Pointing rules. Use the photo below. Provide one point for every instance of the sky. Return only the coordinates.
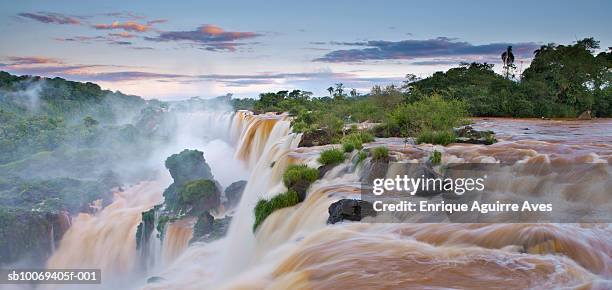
(180, 49)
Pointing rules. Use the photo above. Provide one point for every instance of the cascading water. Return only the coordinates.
(106, 240)
(294, 248)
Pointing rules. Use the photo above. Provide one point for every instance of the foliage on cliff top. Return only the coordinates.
(331, 157)
(264, 208)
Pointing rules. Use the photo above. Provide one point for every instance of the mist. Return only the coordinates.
(85, 144)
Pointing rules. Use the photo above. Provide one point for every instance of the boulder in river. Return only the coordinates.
(349, 209)
(467, 134)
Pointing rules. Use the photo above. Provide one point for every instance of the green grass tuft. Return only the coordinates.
(348, 147)
(436, 157)
(264, 208)
(361, 156)
(298, 173)
(436, 137)
(380, 153)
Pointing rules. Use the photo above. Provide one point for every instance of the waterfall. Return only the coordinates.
(295, 248)
(176, 239)
(270, 157)
(106, 240)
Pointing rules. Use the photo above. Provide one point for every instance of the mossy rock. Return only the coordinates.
(188, 165)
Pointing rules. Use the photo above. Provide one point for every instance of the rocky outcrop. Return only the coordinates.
(30, 236)
(193, 194)
(194, 188)
(208, 230)
(374, 169)
(586, 115)
(467, 134)
(204, 225)
(323, 169)
(317, 137)
(349, 209)
(188, 165)
(233, 193)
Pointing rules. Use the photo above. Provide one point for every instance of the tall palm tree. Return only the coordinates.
(331, 91)
(508, 59)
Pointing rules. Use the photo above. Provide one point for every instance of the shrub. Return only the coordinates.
(348, 147)
(356, 140)
(200, 195)
(436, 137)
(436, 157)
(264, 208)
(429, 114)
(198, 189)
(380, 153)
(331, 157)
(299, 173)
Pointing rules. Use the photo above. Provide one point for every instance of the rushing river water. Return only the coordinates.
(295, 249)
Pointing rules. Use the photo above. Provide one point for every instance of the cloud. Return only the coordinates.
(111, 38)
(54, 18)
(16, 60)
(210, 37)
(127, 26)
(124, 15)
(50, 67)
(123, 34)
(415, 49)
(438, 62)
(82, 39)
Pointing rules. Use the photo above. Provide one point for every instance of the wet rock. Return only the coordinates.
(204, 225)
(233, 193)
(145, 227)
(155, 279)
(218, 230)
(467, 134)
(586, 115)
(374, 169)
(324, 169)
(301, 187)
(349, 209)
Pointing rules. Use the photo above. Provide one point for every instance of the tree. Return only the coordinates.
(339, 91)
(353, 93)
(508, 60)
(331, 91)
(407, 83)
(543, 49)
(566, 80)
